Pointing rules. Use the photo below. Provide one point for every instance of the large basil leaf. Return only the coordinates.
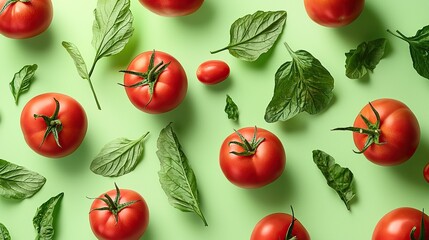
(17, 182)
(44, 218)
(365, 57)
(231, 109)
(302, 85)
(4, 233)
(419, 49)
(255, 34)
(22, 80)
(118, 157)
(176, 176)
(337, 177)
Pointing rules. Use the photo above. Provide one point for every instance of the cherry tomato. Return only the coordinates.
(398, 224)
(119, 214)
(275, 226)
(172, 8)
(54, 125)
(426, 172)
(155, 82)
(334, 13)
(252, 157)
(213, 72)
(390, 139)
(25, 19)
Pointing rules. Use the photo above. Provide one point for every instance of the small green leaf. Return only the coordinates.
(337, 177)
(255, 34)
(17, 182)
(176, 175)
(44, 218)
(4, 233)
(118, 157)
(77, 58)
(231, 109)
(302, 85)
(22, 80)
(365, 57)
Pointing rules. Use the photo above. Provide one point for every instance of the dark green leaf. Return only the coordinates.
(112, 27)
(4, 233)
(43, 220)
(22, 80)
(253, 35)
(77, 58)
(337, 177)
(176, 176)
(302, 85)
(419, 50)
(118, 157)
(16, 182)
(365, 57)
(231, 108)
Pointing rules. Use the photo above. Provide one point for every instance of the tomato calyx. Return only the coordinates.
(290, 228)
(54, 125)
(422, 234)
(113, 206)
(373, 130)
(150, 77)
(9, 2)
(249, 148)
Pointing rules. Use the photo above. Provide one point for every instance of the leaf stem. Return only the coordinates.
(220, 50)
(90, 83)
(399, 35)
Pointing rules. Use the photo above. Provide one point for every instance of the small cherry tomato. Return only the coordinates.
(426, 172)
(334, 13)
(213, 72)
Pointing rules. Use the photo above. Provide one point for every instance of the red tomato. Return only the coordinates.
(213, 72)
(398, 224)
(25, 19)
(395, 137)
(334, 13)
(40, 122)
(275, 227)
(252, 157)
(172, 8)
(155, 82)
(426, 172)
(126, 217)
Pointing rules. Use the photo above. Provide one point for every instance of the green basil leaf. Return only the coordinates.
(112, 27)
(419, 49)
(17, 182)
(365, 57)
(118, 157)
(77, 58)
(176, 176)
(44, 218)
(4, 233)
(22, 80)
(253, 35)
(302, 85)
(337, 177)
(231, 109)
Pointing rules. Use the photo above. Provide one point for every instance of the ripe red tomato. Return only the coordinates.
(25, 19)
(275, 227)
(213, 72)
(119, 214)
(252, 157)
(392, 139)
(334, 13)
(172, 8)
(155, 82)
(54, 125)
(426, 172)
(398, 224)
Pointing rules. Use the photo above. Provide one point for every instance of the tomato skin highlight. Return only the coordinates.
(275, 226)
(400, 132)
(212, 72)
(169, 90)
(334, 13)
(73, 119)
(257, 170)
(25, 19)
(397, 224)
(132, 220)
(172, 8)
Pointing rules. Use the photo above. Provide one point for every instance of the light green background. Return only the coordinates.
(201, 124)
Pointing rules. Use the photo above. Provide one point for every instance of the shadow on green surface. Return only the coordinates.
(199, 18)
(37, 44)
(77, 162)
